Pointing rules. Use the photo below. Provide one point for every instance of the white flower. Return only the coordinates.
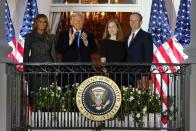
(66, 86)
(139, 92)
(57, 95)
(125, 88)
(150, 99)
(75, 84)
(138, 115)
(131, 98)
(144, 109)
(59, 88)
(52, 93)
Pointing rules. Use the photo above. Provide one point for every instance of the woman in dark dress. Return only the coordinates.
(113, 48)
(39, 47)
(39, 44)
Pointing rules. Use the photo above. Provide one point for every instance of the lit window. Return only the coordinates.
(99, 1)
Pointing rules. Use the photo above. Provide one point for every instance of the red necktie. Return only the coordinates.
(133, 35)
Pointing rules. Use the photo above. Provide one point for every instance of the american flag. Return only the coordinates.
(166, 49)
(10, 33)
(18, 48)
(30, 13)
(182, 31)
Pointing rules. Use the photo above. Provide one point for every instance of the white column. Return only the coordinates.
(145, 9)
(4, 49)
(44, 6)
(191, 51)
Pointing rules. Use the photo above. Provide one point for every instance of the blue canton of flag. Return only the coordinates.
(159, 26)
(10, 33)
(182, 31)
(31, 12)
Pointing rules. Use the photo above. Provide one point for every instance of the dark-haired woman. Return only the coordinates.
(112, 47)
(39, 47)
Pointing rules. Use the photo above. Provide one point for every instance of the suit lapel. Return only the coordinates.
(137, 37)
(127, 40)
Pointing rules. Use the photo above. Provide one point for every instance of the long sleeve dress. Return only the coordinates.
(38, 49)
(114, 51)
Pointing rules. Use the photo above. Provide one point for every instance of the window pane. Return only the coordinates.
(65, 1)
(123, 1)
(72, 1)
(97, 1)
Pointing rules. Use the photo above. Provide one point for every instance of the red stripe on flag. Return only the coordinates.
(166, 57)
(155, 60)
(12, 57)
(175, 51)
(19, 47)
(165, 79)
(160, 89)
(164, 54)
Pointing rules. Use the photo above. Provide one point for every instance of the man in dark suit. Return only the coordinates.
(139, 45)
(139, 42)
(76, 44)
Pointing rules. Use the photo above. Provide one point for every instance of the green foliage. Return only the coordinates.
(138, 102)
(54, 98)
(135, 102)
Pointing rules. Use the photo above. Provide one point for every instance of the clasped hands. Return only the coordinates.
(72, 36)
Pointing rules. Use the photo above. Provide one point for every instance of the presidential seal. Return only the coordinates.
(98, 98)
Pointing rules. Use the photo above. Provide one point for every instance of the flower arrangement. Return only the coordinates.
(135, 102)
(138, 102)
(54, 98)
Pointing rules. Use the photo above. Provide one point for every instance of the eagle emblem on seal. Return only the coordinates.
(99, 98)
